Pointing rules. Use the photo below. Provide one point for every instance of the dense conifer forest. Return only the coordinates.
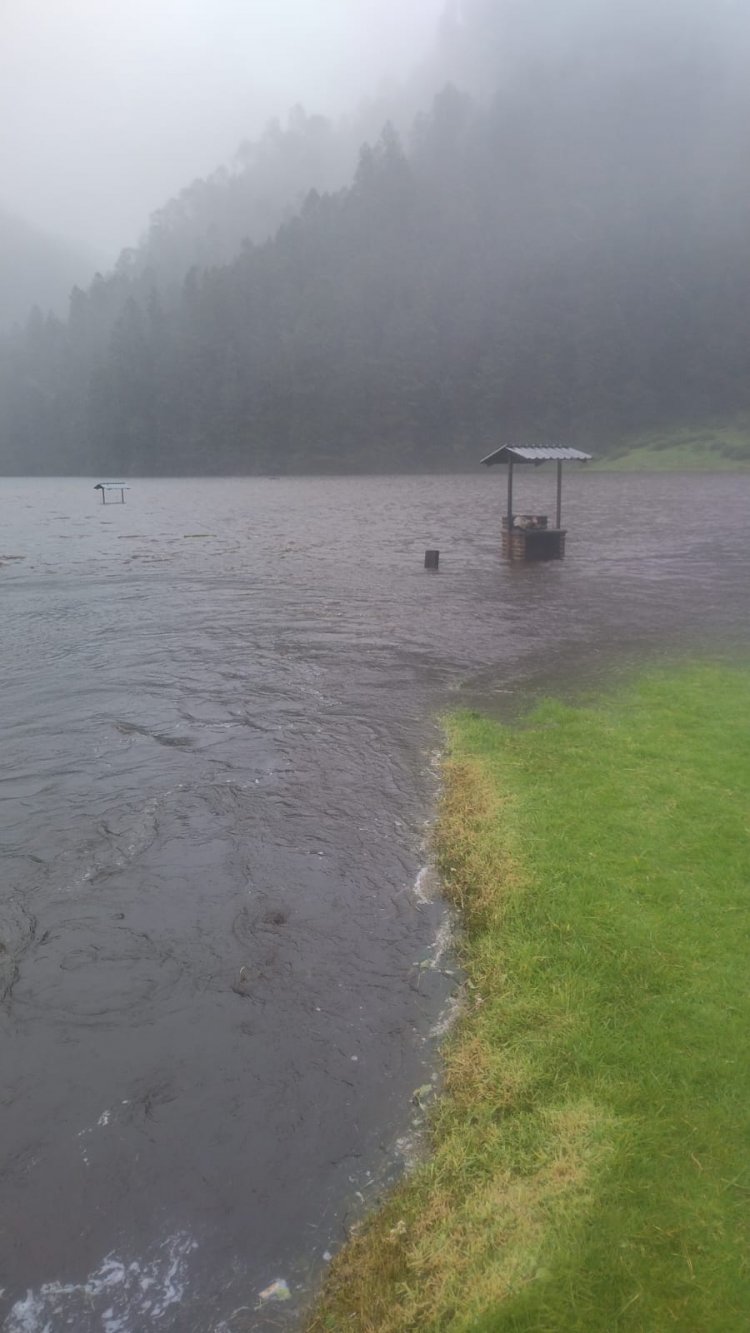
(557, 245)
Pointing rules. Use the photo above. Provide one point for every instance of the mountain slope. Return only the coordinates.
(565, 255)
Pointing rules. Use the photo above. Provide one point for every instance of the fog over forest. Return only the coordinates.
(542, 229)
(114, 108)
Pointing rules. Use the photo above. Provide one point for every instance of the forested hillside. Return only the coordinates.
(558, 246)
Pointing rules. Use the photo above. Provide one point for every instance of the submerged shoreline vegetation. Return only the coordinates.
(589, 1166)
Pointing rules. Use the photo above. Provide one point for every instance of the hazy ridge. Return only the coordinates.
(556, 246)
(35, 269)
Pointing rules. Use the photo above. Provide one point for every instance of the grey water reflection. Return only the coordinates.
(218, 726)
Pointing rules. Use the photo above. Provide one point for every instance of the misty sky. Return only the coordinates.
(108, 107)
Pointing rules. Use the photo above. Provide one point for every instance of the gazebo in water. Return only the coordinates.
(529, 536)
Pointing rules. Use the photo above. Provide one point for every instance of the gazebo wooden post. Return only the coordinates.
(558, 524)
(510, 502)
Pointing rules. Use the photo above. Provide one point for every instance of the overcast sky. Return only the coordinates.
(108, 107)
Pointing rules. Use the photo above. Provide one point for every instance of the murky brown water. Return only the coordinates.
(217, 726)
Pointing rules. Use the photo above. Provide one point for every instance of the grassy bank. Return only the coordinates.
(720, 448)
(590, 1166)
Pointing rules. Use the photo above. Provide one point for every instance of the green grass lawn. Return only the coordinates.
(720, 448)
(590, 1156)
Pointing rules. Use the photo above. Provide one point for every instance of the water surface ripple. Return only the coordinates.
(217, 731)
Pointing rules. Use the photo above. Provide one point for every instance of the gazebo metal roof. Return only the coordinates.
(522, 453)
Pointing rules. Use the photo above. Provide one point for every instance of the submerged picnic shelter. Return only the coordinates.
(529, 536)
(110, 491)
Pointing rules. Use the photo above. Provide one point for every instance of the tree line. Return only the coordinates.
(561, 256)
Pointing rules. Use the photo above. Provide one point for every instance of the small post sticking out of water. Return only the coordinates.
(431, 559)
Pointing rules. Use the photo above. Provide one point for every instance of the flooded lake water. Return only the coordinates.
(219, 973)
